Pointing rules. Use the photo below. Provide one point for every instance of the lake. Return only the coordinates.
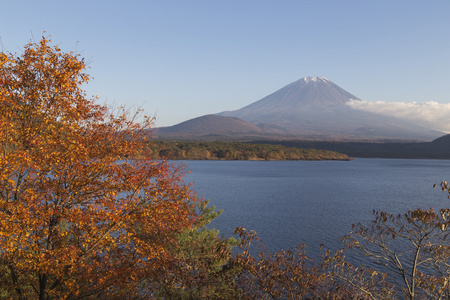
(314, 202)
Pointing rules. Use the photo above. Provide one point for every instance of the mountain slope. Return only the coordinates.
(304, 93)
(209, 126)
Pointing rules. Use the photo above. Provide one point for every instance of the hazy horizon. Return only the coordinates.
(182, 59)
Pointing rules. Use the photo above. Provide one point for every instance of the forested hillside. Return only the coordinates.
(234, 151)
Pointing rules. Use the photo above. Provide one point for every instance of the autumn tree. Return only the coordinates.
(412, 247)
(78, 219)
(357, 282)
(290, 274)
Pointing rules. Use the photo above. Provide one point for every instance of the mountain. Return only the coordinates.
(301, 95)
(442, 143)
(312, 108)
(210, 127)
(316, 108)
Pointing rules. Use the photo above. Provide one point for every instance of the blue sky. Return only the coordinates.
(182, 59)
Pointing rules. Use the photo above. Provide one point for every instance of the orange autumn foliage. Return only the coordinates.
(77, 219)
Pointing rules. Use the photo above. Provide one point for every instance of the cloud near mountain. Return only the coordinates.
(430, 114)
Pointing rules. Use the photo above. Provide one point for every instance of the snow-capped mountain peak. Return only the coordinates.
(315, 79)
(316, 106)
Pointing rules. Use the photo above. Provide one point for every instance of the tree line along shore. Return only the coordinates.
(185, 150)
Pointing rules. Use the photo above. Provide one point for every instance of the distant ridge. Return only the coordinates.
(437, 149)
(210, 126)
(442, 143)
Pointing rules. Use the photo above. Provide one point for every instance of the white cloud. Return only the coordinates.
(431, 114)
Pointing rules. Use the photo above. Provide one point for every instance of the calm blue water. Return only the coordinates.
(314, 202)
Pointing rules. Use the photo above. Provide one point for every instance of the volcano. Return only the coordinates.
(315, 107)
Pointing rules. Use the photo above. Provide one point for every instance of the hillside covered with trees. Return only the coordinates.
(436, 149)
(234, 151)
